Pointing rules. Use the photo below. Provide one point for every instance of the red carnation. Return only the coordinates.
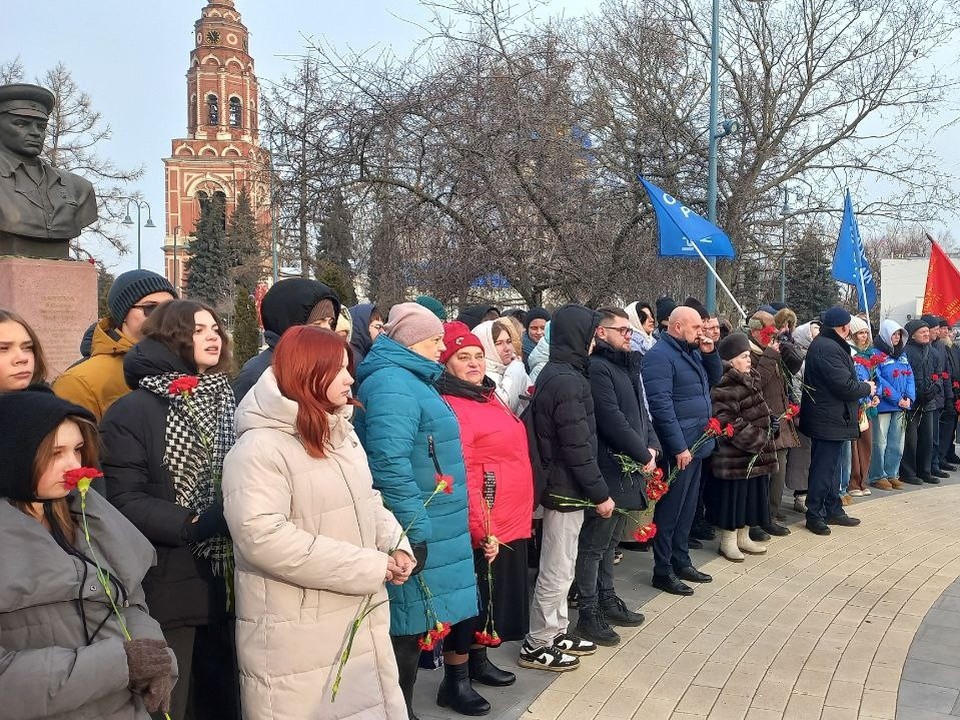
(183, 385)
(427, 642)
(887, 393)
(714, 428)
(935, 377)
(879, 358)
(896, 373)
(444, 483)
(657, 474)
(956, 406)
(956, 385)
(767, 333)
(72, 478)
(860, 360)
(728, 430)
(945, 375)
(645, 533)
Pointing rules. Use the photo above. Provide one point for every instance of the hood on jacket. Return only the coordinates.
(151, 357)
(290, 301)
(887, 328)
(361, 327)
(472, 315)
(387, 352)
(802, 335)
(108, 340)
(265, 407)
(572, 329)
(86, 342)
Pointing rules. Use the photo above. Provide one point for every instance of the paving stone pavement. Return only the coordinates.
(819, 627)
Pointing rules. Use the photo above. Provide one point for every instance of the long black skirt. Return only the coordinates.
(733, 504)
(511, 590)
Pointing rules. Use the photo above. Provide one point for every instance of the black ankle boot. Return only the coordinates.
(406, 648)
(485, 672)
(458, 694)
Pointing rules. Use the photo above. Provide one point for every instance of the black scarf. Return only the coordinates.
(448, 384)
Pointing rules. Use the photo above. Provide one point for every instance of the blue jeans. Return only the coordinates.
(888, 430)
(846, 459)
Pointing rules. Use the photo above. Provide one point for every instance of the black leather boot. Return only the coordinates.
(458, 694)
(406, 648)
(485, 672)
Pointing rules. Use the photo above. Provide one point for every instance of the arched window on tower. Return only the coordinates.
(236, 113)
(192, 119)
(213, 110)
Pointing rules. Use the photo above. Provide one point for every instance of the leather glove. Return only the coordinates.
(146, 659)
(420, 555)
(209, 524)
(774, 425)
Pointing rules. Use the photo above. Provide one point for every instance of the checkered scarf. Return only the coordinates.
(198, 435)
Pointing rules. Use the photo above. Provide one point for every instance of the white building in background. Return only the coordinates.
(902, 284)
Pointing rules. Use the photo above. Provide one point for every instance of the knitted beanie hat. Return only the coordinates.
(433, 305)
(456, 337)
(857, 325)
(732, 345)
(836, 317)
(410, 323)
(130, 287)
(26, 418)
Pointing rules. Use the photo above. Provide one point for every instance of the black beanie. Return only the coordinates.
(692, 302)
(26, 418)
(665, 306)
(536, 313)
(130, 287)
(913, 325)
(732, 345)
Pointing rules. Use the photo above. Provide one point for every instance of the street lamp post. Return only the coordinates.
(176, 262)
(785, 211)
(140, 204)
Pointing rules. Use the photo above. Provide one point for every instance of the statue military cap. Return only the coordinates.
(27, 100)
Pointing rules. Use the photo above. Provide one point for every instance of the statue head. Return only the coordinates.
(24, 110)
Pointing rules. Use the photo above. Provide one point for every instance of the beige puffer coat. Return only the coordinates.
(311, 537)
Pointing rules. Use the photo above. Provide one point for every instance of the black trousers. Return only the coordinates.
(917, 445)
(209, 683)
(673, 515)
(948, 431)
(935, 435)
(823, 484)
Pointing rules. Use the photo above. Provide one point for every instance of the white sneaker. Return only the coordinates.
(856, 493)
(866, 491)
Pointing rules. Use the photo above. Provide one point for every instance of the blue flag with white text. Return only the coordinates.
(680, 227)
(850, 261)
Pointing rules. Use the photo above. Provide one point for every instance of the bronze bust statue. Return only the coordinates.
(41, 208)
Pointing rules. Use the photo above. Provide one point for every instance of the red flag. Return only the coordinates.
(942, 296)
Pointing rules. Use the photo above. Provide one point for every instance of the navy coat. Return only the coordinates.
(831, 390)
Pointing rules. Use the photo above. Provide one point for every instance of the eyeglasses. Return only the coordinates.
(147, 308)
(624, 331)
(377, 325)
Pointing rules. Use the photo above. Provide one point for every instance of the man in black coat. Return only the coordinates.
(946, 425)
(623, 427)
(677, 373)
(831, 393)
(916, 463)
(566, 441)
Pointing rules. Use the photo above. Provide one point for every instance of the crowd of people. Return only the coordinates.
(375, 490)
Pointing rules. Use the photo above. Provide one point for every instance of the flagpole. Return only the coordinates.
(719, 279)
(862, 290)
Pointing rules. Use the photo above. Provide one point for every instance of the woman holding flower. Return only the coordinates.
(866, 360)
(413, 444)
(737, 499)
(897, 395)
(164, 448)
(63, 650)
(313, 542)
(499, 496)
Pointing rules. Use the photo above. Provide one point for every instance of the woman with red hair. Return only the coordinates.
(313, 541)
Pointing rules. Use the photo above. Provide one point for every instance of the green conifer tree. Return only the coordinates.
(246, 333)
(810, 286)
(210, 261)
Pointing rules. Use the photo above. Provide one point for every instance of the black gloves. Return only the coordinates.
(208, 524)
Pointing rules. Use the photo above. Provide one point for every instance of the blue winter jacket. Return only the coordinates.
(894, 375)
(678, 381)
(410, 434)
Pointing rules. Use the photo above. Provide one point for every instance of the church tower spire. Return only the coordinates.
(221, 152)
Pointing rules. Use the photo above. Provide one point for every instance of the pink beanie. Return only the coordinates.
(410, 323)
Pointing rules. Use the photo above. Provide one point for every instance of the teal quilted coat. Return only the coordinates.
(409, 432)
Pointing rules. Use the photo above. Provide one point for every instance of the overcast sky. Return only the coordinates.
(132, 58)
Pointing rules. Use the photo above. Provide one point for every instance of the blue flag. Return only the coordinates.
(680, 227)
(850, 262)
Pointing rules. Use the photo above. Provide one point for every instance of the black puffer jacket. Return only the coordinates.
(831, 390)
(360, 340)
(286, 304)
(923, 363)
(562, 407)
(738, 400)
(623, 425)
(472, 315)
(181, 589)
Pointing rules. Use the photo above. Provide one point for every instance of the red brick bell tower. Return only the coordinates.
(221, 152)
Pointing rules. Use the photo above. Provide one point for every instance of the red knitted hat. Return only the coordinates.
(457, 336)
